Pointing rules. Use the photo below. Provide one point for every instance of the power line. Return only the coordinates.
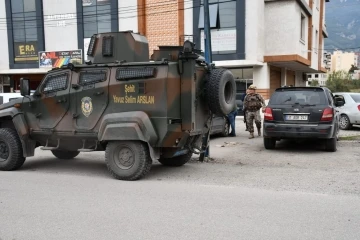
(129, 9)
(81, 20)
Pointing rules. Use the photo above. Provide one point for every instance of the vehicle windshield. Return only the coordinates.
(355, 97)
(302, 97)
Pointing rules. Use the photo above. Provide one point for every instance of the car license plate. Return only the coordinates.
(296, 117)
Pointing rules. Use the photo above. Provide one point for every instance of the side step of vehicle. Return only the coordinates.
(83, 149)
(51, 148)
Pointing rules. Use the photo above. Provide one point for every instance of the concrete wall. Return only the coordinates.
(255, 30)
(188, 18)
(261, 77)
(60, 25)
(4, 60)
(315, 42)
(281, 30)
(128, 17)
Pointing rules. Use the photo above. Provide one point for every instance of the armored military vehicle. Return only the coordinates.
(135, 108)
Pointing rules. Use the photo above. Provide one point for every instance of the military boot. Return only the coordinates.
(251, 135)
(259, 132)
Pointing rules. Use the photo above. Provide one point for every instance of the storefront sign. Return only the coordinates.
(221, 40)
(25, 52)
(59, 58)
(61, 19)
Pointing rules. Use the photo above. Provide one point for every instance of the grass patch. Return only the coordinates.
(350, 138)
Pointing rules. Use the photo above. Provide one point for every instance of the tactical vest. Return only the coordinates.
(253, 102)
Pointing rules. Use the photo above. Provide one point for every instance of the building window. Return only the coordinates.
(316, 75)
(24, 31)
(96, 17)
(302, 30)
(222, 16)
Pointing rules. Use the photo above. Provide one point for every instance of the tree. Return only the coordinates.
(353, 68)
(339, 81)
(314, 83)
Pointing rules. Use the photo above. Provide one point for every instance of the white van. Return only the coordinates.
(7, 97)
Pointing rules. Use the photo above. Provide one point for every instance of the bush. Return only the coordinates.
(339, 81)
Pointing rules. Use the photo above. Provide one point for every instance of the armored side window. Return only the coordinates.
(90, 77)
(124, 73)
(56, 83)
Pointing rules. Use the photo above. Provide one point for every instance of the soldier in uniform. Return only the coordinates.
(243, 108)
(253, 102)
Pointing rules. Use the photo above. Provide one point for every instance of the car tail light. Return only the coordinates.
(359, 107)
(268, 114)
(327, 115)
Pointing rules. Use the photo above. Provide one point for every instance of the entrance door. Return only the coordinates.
(91, 97)
(275, 79)
(53, 101)
(290, 78)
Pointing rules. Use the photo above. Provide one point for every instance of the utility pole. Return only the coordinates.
(207, 34)
(208, 59)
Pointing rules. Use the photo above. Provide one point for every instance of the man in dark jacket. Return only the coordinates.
(232, 117)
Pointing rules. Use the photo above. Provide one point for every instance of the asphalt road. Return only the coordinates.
(245, 192)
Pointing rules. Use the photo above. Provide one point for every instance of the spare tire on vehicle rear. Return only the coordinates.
(221, 91)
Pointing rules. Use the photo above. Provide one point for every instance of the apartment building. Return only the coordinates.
(358, 58)
(266, 42)
(321, 78)
(277, 42)
(343, 60)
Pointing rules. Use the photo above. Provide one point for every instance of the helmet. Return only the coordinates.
(252, 87)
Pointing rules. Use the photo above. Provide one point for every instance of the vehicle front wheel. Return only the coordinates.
(330, 144)
(11, 152)
(176, 161)
(344, 122)
(269, 143)
(128, 160)
(62, 154)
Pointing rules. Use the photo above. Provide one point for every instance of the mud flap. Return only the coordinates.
(206, 139)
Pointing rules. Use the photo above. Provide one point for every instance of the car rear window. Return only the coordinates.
(355, 97)
(311, 96)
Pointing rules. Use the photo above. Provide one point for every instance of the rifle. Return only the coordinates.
(245, 121)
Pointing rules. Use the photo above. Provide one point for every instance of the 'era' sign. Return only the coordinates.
(26, 52)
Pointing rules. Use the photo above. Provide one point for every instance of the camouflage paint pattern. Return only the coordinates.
(250, 118)
(167, 110)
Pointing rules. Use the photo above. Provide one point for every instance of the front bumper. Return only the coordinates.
(283, 130)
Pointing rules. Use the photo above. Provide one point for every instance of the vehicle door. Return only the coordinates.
(51, 101)
(91, 97)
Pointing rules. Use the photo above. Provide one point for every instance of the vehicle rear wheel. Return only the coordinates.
(344, 122)
(330, 144)
(11, 152)
(269, 143)
(62, 154)
(128, 160)
(176, 161)
(221, 92)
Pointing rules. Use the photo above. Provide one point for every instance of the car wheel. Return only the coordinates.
(11, 152)
(128, 160)
(176, 161)
(269, 143)
(331, 144)
(61, 154)
(226, 129)
(344, 122)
